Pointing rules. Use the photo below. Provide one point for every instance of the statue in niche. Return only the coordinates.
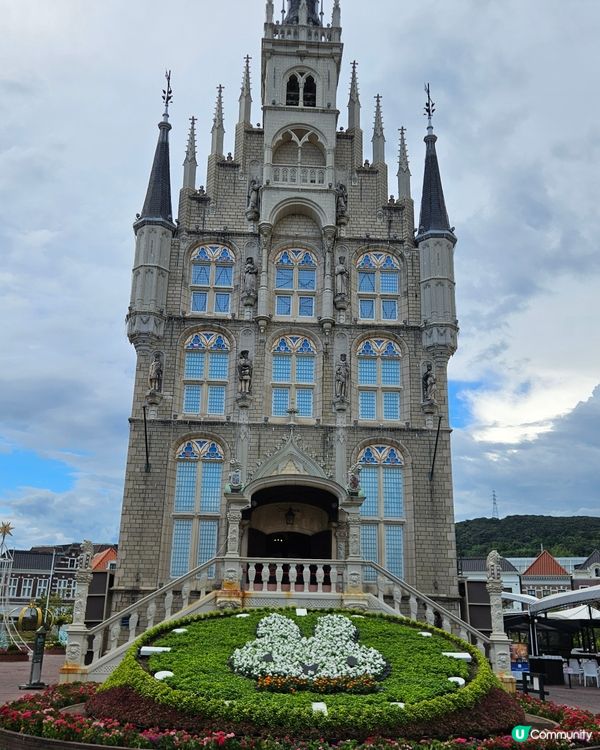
(354, 479)
(245, 372)
(250, 276)
(235, 476)
(341, 203)
(155, 373)
(253, 208)
(429, 385)
(341, 278)
(342, 372)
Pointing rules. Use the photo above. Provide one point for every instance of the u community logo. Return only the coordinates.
(520, 733)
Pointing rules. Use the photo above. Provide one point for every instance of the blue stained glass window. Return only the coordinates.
(367, 309)
(281, 401)
(222, 302)
(210, 493)
(390, 372)
(389, 309)
(369, 480)
(192, 396)
(216, 399)
(306, 307)
(285, 278)
(367, 371)
(305, 369)
(307, 260)
(394, 552)
(284, 305)
(307, 279)
(180, 549)
(199, 301)
(366, 282)
(207, 543)
(391, 405)
(369, 548)
(282, 368)
(389, 282)
(224, 276)
(218, 366)
(194, 365)
(185, 487)
(304, 402)
(393, 492)
(366, 405)
(200, 275)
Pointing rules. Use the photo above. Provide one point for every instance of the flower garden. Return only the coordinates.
(262, 681)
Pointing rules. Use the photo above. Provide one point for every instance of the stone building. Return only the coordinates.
(293, 328)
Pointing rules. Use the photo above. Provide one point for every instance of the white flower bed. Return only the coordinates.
(280, 650)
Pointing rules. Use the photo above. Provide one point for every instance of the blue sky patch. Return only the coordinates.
(458, 406)
(21, 468)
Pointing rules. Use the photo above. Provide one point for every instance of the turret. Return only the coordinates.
(245, 116)
(190, 163)
(154, 229)
(354, 102)
(436, 240)
(403, 169)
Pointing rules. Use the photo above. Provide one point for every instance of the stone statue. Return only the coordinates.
(235, 475)
(429, 385)
(354, 480)
(155, 373)
(493, 565)
(253, 209)
(341, 204)
(342, 372)
(245, 372)
(250, 275)
(341, 278)
(87, 554)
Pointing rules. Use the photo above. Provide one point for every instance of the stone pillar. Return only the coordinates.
(327, 319)
(354, 596)
(500, 646)
(73, 669)
(262, 317)
(230, 596)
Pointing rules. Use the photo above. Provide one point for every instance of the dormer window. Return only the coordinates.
(301, 90)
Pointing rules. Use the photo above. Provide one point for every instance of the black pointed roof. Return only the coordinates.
(593, 559)
(294, 10)
(158, 196)
(434, 216)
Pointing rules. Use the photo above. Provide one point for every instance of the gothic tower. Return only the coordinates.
(292, 334)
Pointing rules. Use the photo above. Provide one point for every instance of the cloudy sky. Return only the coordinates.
(515, 85)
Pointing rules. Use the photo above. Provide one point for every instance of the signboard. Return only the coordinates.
(519, 659)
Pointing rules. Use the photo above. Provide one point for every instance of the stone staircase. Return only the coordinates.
(93, 653)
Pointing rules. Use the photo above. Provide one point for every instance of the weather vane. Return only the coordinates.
(167, 94)
(430, 105)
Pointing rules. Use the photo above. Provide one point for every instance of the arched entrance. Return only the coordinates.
(291, 521)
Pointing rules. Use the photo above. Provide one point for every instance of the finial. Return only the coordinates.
(403, 168)
(167, 95)
(378, 116)
(429, 106)
(191, 145)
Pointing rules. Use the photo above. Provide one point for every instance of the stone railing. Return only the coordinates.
(284, 174)
(93, 653)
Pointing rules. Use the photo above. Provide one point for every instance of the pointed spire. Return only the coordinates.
(354, 102)
(246, 95)
(190, 163)
(434, 216)
(378, 139)
(336, 17)
(297, 9)
(403, 168)
(218, 128)
(157, 204)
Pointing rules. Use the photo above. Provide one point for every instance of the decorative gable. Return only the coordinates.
(290, 460)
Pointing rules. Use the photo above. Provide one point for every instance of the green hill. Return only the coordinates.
(524, 536)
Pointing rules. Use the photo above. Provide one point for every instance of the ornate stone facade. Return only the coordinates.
(291, 313)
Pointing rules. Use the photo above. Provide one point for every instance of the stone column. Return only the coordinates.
(354, 596)
(73, 669)
(327, 319)
(500, 646)
(262, 317)
(230, 596)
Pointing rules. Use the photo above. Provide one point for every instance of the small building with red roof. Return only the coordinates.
(545, 576)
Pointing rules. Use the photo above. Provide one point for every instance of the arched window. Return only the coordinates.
(293, 376)
(212, 279)
(295, 284)
(205, 373)
(197, 505)
(292, 97)
(379, 380)
(382, 481)
(301, 90)
(378, 286)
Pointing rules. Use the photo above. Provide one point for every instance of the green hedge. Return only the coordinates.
(203, 681)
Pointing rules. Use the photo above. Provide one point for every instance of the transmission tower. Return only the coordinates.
(495, 514)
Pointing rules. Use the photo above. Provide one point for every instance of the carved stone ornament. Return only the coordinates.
(155, 373)
(253, 207)
(342, 373)
(245, 373)
(87, 554)
(429, 385)
(73, 653)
